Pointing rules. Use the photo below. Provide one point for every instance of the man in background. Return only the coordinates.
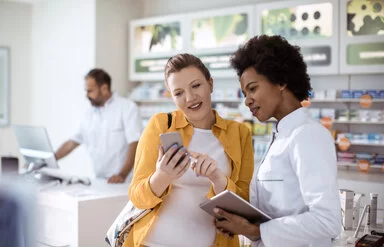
(110, 130)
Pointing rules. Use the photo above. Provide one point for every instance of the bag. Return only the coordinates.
(120, 228)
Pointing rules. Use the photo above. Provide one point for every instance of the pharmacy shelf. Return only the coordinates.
(348, 174)
(154, 101)
(372, 144)
(343, 100)
(357, 122)
(166, 100)
(346, 164)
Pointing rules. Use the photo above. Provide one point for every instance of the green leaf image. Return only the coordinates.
(223, 26)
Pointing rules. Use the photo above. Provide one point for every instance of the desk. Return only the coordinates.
(78, 215)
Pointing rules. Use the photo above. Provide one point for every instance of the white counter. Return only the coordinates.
(78, 215)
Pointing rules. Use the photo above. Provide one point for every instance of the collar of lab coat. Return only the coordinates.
(292, 120)
(109, 101)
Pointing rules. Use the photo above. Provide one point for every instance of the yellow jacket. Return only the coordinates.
(237, 142)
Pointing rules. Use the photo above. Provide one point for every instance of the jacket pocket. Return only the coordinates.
(271, 191)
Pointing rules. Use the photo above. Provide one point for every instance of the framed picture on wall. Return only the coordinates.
(215, 35)
(152, 42)
(310, 24)
(361, 36)
(4, 86)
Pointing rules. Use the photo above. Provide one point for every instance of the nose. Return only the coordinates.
(190, 96)
(248, 101)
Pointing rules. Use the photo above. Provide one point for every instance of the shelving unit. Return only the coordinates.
(366, 144)
(357, 122)
(168, 100)
(339, 100)
(346, 164)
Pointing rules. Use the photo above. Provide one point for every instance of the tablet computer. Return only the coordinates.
(232, 203)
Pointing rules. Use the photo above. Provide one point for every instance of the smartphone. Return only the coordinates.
(170, 138)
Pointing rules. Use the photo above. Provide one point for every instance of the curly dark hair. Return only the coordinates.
(276, 59)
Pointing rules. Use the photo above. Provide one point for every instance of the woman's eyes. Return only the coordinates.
(177, 94)
(252, 89)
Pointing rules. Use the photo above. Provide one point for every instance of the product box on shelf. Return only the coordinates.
(381, 94)
(346, 157)
(379, 159)
(374, 93)
(342, 114)
(365, 156)
(328, 112)
(356, 94)
(346, 201)
(345, 94)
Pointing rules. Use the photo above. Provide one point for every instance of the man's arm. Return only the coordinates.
(65, 149)
(128, 165)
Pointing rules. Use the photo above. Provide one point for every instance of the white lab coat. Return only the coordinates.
(296, 185)
(107, 131)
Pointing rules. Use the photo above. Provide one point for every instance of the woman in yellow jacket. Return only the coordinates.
(221, 155)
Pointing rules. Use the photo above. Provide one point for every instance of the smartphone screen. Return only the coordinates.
(170, 138)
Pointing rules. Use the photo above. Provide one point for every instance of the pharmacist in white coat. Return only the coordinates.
(110, 130)
(296, 182)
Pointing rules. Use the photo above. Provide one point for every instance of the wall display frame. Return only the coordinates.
(211, 35)
(4, 85)
(216, 34)
(152, 42)
(361, 36)
(310, 24)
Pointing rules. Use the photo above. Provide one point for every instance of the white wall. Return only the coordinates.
(112, 40)
(15, 33)
(63, 51)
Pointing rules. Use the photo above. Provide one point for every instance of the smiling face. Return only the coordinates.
(263, 98)
(191, 92)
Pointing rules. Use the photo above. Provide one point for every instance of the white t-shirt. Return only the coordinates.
(296, 185)
(106, 132)
(181, 222)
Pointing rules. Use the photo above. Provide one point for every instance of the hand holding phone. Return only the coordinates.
(174, 159)
(169, 139)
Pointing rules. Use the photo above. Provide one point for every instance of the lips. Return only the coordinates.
(254, 110)
(195, 107)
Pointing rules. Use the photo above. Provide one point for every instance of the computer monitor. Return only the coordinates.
(35, 146)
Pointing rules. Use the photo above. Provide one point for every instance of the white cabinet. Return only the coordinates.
(78, 215)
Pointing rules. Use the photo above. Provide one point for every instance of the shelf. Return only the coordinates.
(227, 101)
(343, 100)
(346, 164)
(346, 174)
(166, 100)
(366, 144)
(357, 122)
(154, 101)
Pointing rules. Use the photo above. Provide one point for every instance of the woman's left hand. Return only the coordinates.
(232, 224)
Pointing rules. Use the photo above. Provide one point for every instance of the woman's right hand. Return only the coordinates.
(173, 164)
